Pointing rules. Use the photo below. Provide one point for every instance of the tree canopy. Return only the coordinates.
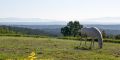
(71, 29)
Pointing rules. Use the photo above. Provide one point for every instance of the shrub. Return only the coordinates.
(117, 37)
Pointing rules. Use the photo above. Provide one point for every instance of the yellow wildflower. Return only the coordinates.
(32, 56)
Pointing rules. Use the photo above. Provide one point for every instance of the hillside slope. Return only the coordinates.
(52, 48)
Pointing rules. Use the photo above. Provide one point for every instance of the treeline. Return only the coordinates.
(110, 36)
(9, 30)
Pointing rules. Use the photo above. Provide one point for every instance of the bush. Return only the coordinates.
(110, 40)
(117, 37)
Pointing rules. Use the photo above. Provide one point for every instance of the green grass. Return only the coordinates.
(78, 38)
(53, 48)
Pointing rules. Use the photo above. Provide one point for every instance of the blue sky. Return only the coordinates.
(60, 9)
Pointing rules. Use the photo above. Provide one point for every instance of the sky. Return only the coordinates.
(65, 10)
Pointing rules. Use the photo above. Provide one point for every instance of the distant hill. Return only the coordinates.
(55, 29)
(40, 26)
(21, 30)
(51, 29)
(112, 32)
(108, 27)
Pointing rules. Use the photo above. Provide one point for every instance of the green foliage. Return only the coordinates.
(71, 29)
(111, 36)
(117, 37)
(111, 40)
(6, 30)
(66, 31)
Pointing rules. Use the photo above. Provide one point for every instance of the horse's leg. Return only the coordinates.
(85, 41)
(91, 44)
(80, 40)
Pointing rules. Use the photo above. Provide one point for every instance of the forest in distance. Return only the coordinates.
(51, 30)
(109, 29)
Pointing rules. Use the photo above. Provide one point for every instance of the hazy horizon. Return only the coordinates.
(97, 21)
(85, 11)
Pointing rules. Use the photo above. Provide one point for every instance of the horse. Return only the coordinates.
(93, 33)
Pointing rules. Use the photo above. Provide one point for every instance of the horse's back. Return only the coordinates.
(90, 31)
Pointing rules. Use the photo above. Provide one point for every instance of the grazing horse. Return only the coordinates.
(93, 33)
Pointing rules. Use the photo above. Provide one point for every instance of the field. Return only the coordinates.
(53, 48)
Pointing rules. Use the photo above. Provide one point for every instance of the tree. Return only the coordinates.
(65, 31)
(71, 29)
(70, 26)
(77, 26)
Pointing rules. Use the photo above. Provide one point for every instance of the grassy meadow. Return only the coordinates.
(53, 48)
